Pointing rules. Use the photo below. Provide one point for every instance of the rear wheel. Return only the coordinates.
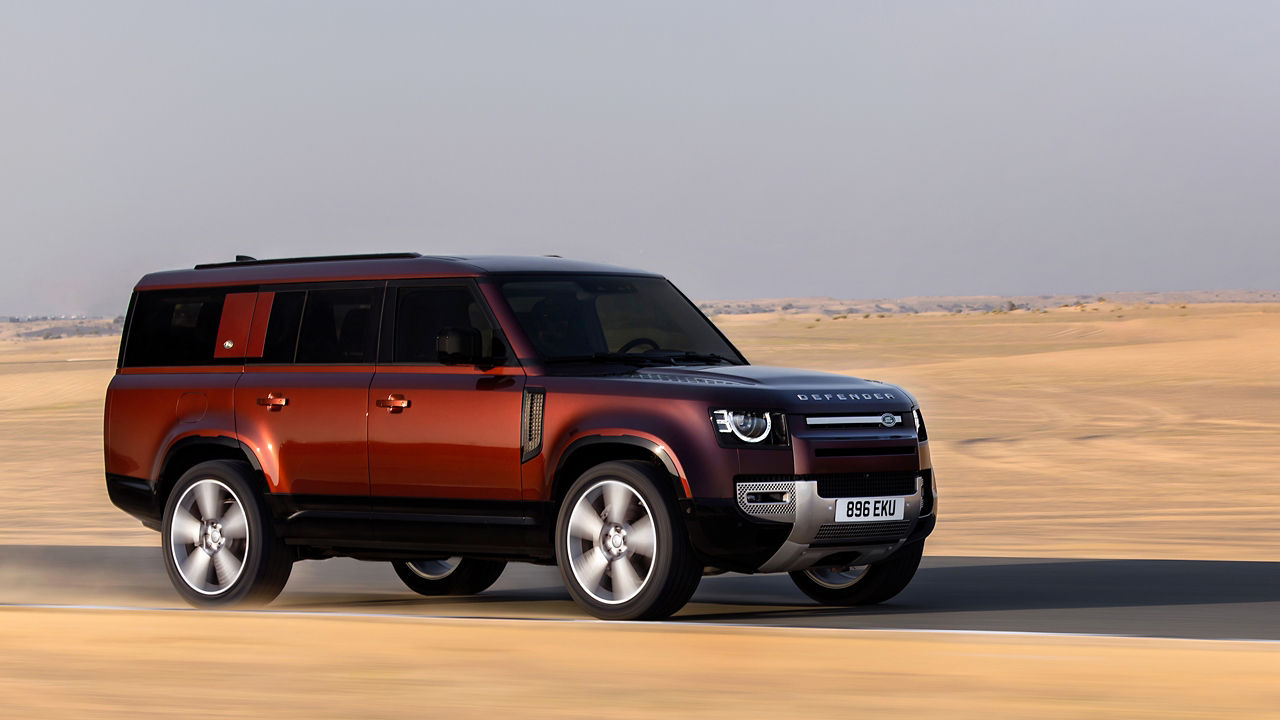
(219, 546)
(860, 584)
(449, 576)
(622, 552)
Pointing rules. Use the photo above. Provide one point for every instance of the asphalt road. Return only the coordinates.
(1157, 598)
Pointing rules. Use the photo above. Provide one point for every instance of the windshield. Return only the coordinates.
(613, 318)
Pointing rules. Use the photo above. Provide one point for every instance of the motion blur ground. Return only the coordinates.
(1069, 434)
(74, 664)
(1127, 431)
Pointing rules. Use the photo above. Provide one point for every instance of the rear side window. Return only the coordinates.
(282, 327)
(338, 326)
(175, 327)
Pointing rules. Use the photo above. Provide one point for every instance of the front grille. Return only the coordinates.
(863, 532)
(873, 484)
(866, 451)
(843, 485)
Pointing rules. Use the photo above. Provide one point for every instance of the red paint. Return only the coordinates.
(233, 330)
(317, 442)
(144, 420)
(459, 436)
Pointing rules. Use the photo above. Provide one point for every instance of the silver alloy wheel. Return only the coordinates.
(434, 569)
(209, 537)
(611, 542)
(837, 577)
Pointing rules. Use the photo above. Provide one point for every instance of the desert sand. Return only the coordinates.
(1099, 431)
(1095, 431)
(77, 664)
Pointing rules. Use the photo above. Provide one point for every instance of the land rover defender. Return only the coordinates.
(453, 414)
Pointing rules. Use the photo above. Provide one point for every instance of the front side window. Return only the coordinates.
(605, 317)
(422, 313)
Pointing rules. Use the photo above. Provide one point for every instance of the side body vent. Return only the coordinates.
(531, 423)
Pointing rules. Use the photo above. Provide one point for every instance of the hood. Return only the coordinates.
(797, 391)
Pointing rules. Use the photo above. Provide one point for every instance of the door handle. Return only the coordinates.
(394, 403)
(272, 402)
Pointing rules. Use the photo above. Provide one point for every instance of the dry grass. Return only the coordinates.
(76, 664)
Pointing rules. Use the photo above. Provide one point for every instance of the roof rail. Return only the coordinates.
(239, 262)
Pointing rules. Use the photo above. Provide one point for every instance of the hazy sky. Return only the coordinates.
(744, 149)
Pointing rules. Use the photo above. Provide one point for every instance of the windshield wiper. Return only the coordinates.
(702, 357)
(658, 357)
(607, 357)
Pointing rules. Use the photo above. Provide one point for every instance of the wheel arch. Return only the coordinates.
(591, 450)
(188, 452)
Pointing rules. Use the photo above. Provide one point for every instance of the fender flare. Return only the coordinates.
(192, 440)
(660, 451)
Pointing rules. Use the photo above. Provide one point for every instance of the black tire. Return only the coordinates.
(208, 499)
(456, 576)
(878, 583)
(670, 576)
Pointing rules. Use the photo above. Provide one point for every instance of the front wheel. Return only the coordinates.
(449, 576)
(219, 546)
(860, 584)
(621, 551)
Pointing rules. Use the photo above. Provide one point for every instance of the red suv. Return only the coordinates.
(454, 414)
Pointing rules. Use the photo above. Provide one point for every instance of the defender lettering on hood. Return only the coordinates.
(846, 396)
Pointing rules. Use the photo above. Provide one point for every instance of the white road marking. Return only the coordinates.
(668, 624)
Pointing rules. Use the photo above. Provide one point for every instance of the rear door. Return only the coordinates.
(301, 404)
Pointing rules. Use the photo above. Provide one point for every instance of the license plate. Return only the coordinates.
(872, 509)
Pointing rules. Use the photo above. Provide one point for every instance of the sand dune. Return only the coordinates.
(1138, 432)
(1107, 431)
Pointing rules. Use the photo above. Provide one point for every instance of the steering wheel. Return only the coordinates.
(632, 344)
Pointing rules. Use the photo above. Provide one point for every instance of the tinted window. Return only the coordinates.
(338, 326)
(175, 327)
(576, 316)
(282, 327)
(422, 312)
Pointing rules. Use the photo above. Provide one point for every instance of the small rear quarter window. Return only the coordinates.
(175, 327)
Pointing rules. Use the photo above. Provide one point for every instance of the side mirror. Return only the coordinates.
(458, 346)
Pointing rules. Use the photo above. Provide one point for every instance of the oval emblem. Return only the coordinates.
(888, 420)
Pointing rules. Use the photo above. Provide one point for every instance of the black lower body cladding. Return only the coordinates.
(135, 497)
(726, 539)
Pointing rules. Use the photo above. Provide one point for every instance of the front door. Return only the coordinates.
(443, 439)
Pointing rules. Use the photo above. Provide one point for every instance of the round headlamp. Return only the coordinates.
(747, 426)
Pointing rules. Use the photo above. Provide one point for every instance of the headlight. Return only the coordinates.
(747, 428)
(921, 433)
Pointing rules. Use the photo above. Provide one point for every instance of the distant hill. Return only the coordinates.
(63, 326)
(976, 303)
(54, 327)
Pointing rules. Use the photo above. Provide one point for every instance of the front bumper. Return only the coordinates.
(815, 535)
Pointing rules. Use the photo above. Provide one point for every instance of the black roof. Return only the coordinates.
(249, 271)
